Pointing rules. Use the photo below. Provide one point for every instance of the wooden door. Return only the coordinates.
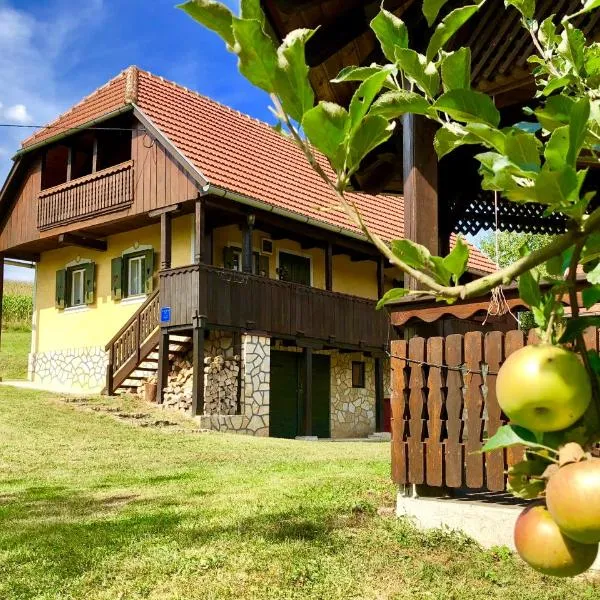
(321, 405)
(284, 418)
(294, 268)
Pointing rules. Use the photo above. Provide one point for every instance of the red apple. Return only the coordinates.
(542, 545)
(573, 499)
(543, 388)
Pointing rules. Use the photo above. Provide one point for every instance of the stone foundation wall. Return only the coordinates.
(77, 368)
(352, 409)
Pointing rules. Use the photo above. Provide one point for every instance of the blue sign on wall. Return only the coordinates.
(165, 314)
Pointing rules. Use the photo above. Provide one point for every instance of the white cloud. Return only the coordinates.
(17, 114)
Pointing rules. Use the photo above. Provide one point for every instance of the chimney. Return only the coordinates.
(131, 85)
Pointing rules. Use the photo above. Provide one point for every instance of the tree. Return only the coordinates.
(510, 245)
(537, 160)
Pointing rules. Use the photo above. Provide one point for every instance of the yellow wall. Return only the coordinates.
(97, 324)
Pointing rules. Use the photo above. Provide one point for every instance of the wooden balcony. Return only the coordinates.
(102, 192)
(229, 299)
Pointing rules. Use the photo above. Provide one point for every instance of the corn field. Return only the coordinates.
(17, 305)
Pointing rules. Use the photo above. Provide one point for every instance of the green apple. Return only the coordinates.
(543, 388)
(542, 545)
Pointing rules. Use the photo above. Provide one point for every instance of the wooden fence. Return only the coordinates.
(441, 414)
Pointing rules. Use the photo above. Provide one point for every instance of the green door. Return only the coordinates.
(294, 268)
(286, 410)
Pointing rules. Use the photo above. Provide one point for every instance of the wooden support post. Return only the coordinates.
(110, 388)
(421, 223)
(166, 231)
(247, 245)
(163, 365)
(69, 163)
(198, 365)
(1, 294)
(95, 156)
(308, 395)
(199, 226)
(380, 277)
(329, 267)
(379, 394)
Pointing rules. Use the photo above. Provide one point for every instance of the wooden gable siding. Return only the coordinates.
(158, 180)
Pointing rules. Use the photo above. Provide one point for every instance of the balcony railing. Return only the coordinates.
(102, 192)
(279, 308)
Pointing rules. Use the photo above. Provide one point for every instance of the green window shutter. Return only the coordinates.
(116, 278)
(228, 257)
(263, 268)
(90, 283)
(61, 288)
(149, 271)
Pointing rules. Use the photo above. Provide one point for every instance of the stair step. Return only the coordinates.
(141, 374)
(148, 365)
(132, 382)
(182, 339)
(178, 348)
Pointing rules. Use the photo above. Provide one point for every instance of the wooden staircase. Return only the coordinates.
(133, 351)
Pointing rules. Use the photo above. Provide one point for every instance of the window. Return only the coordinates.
(77, 287)
(358, 374)
(232, 259)
(135, 271)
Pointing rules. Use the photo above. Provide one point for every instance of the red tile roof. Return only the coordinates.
(238, 153)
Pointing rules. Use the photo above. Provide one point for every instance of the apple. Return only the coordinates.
(543, 388)
(543, 546)
(573, 499)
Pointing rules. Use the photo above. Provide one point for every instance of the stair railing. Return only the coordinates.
(133, 342)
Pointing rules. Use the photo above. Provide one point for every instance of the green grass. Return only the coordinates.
(13, 354)
(93, 508)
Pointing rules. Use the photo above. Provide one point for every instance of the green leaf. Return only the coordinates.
(555, 113)
(547, 32)
(490, 136)
(212, 15)
(557, 148)
(523, 478)
(511, 435)
(419, 70)
(357, 73)
(456, 70)
(591, 296)
(391, 296)
(413, 254)
(525, 7)
(556, 83)
(447, 140)
(580, 114)
(251, 9)
(296, 94)
(431, 9)
(588, 5)
(451, 23)
(556, 188)
(372, 131)
(456, 261)
(468, 106)
(391, 33)
(257, 55)
(572, 46)
(325, 126)
(363, 98)
(392, 105)
(576, 326)
(441, 274)
(594, 275)
(523, 150)
(529, 290)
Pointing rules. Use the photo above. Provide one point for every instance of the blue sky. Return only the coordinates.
(54, 52)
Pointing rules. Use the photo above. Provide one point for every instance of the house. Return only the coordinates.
(169, 230)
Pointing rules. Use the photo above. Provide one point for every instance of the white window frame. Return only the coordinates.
(74, 273)
(139, 260)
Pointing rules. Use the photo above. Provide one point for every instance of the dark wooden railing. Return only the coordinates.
(133, 342)
(96, 194)
(250, 302)
(442, 415)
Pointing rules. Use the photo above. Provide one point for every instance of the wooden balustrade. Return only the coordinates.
(250, 302)
(133, 342)
(96, 194)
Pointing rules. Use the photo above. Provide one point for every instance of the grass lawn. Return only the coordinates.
(94, 508)
(13, 354)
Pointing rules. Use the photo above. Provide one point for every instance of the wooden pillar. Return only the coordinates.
(198, 365)
(421, 221)
(166, 234)
(69, 163)
(95, 156)
(329, 266)
(379, 395)
(199, 225)
(307, 373)
(163, 365)
(380, 277)
(247, 244)
(1, 294)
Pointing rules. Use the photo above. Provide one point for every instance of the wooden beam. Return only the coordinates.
(199, 228)
(307, 373)
(161, 211)
(162, 377)
(166, 241)
(69, 163)
(379, 394)
(74, 239)
(329, 267)
(247, 255)
(380, 277)
(95, 156)
(198, 365)
(421, 222)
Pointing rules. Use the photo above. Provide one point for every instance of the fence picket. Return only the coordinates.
(453, 451)
(435, 401)
(418, 408)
